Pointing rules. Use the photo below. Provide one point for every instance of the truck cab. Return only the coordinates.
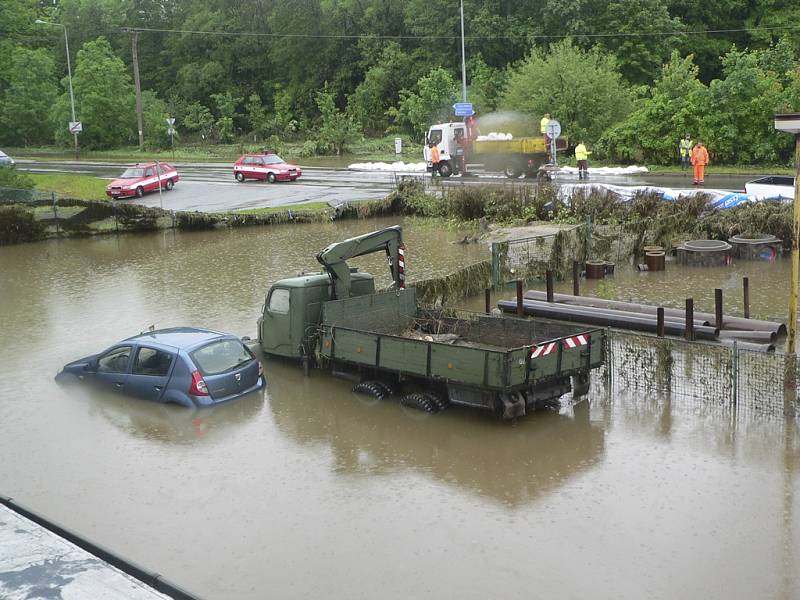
(446, 136)
(292, 310)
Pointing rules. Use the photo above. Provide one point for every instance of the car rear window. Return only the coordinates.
(219, 357)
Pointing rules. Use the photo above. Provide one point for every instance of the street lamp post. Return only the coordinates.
(69, 77)
(463, 60)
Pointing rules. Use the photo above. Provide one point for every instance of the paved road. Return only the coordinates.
(210, 187)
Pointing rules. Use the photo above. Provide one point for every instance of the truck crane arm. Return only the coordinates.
(334, 257)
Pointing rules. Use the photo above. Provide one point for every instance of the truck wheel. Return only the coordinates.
(580, 385)
(512, 170)
(387, 388)
(445, 170)
(369, 388)
(418, 401)
(438, 401)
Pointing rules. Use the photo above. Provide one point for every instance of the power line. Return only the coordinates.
(456, 37)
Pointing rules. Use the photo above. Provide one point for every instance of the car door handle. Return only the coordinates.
(157, 388)
(118, 384)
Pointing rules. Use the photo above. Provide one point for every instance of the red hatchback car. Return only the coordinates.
(265, 165)
(135, 181)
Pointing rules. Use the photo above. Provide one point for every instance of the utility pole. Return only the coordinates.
(463, 60)
(137, 84)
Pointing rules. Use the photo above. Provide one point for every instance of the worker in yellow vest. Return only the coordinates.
(685, 149)
(582, 156)
(543, 128)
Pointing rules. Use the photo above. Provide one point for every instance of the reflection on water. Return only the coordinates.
(307, 490)
(464, 448)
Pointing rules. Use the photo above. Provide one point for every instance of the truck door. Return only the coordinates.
(275, 325)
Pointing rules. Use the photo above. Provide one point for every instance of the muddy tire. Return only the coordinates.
(438, 401)
(369, 388)
(419, 402)
(388, 388)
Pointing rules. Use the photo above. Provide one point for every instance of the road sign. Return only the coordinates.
(553, 129)
(170, 121)
(75, 127)
(463, 109)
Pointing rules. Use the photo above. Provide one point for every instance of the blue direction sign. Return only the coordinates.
(463, 109)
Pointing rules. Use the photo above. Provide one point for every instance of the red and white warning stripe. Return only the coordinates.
(575, 341)
(543, 350)
(401, 265)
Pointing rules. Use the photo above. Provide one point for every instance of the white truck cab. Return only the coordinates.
(451, 152)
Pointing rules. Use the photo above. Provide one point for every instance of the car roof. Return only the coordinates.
(186, 338)
(143, 165)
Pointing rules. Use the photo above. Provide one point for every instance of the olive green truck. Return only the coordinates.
(430, 358)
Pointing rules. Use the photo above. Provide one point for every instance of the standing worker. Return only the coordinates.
(435, 158)
(685, 149)
(699, 160)
(582, 156)
(543, 128)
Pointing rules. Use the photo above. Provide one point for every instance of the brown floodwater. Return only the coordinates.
(309, 491)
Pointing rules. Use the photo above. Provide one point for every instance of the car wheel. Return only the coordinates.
(239, 177)
(169, 185)
(512, 170)
(271, 177)
(139, 192)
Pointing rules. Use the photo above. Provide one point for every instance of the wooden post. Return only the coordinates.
(548, 277)
(746, 292)
(520, 309)
(718, 308)
(576, 272)
(487, 296)
(689, 332)
(660, 321)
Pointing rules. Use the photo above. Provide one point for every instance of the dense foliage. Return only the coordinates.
(629, 76)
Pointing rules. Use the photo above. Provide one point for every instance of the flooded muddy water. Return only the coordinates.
(309, 491)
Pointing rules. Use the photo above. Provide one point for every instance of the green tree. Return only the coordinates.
(154, 111)
(104, 99)
(226, 107)
(673, 107)
(198, 119)
(485, 85)
(337, 128)
(582, 89)
(31, 92)
(435, 95)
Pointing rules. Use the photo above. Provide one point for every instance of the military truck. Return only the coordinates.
(514, 157)
(429, 357)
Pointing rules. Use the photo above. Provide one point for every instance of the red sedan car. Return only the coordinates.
(135, 181)
(265, 165)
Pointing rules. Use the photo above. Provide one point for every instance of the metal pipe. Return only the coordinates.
(487, 297)
(728, 321)
(718, 308)
(751, 336)
(689, 319)
(593, 316)
(660, 322)
(790, 340)
(463, 59)
(548, 278)
(746, 294)
(520, 310)
(751, 346)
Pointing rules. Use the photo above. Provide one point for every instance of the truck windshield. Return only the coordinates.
(132, 173)
(435, 136)
(218, 357)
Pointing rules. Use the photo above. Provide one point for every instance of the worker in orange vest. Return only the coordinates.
(699, 160)
(435, 159)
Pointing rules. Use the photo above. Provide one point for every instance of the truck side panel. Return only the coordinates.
(466, 365)
(355, 346)
(409, 356)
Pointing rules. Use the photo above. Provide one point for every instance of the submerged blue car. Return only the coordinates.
(183, 365)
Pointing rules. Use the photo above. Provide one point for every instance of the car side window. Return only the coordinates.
(279, 301)
(148, 172)
(150, 361)
(114, 361)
